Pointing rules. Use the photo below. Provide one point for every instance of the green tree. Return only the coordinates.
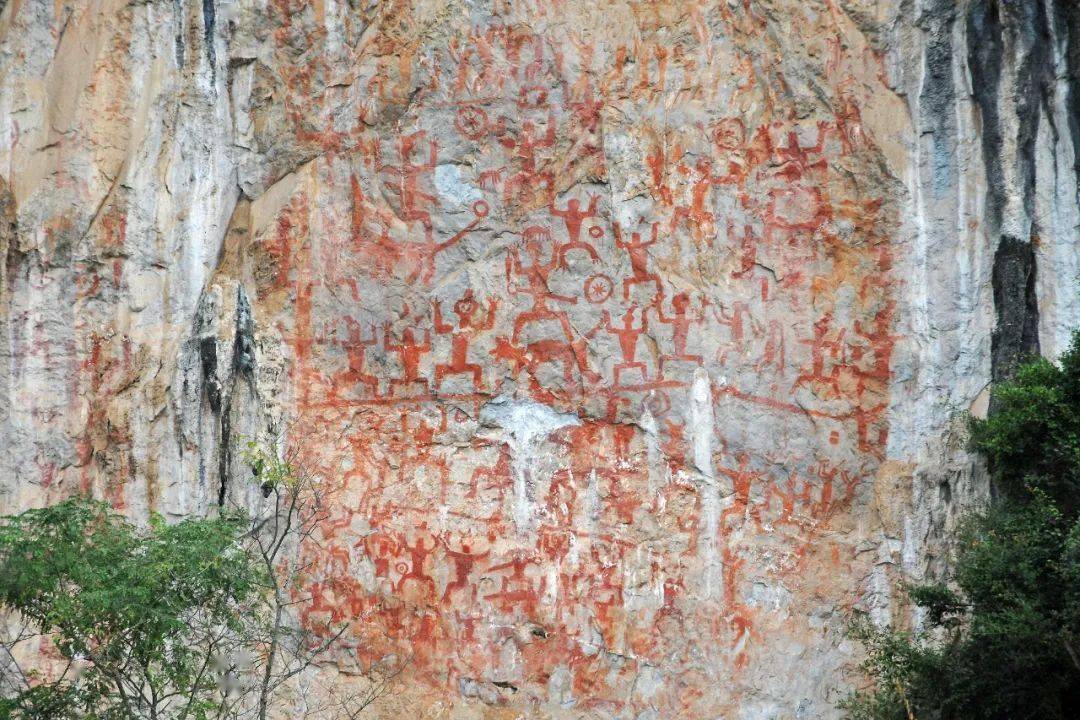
(138, 617)
(1002, 637)
(195, 619)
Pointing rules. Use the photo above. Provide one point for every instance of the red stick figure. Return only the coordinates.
(795, 159)
(748, 247)
(524, 149)
(628, 334)
(639, 260)
(820, 345)
(515, 588)
(880, 345)
(774, 349)
(742, 479)
(495, 476)
(734, 320)
(418, 555)
(573, 216)
(536, 274)
(680, 323)
(461, 334)
(476, 71)
(409, 174)
(410, 352)
(696, 215)
(463, 560)
(356, 349)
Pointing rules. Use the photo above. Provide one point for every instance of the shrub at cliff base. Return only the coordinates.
(1002, 638)
(134, 617)
(106, 620)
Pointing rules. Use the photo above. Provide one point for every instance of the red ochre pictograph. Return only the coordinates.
(719, 318)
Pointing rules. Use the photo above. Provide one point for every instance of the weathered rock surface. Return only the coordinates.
(633, 338)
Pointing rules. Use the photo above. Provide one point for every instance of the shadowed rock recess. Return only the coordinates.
(632, 339)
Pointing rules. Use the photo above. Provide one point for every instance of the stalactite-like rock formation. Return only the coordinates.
(633, 339)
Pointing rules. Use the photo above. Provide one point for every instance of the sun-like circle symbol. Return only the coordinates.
(471, 121)
(598, 288)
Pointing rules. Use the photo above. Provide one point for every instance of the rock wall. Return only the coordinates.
(632, 338)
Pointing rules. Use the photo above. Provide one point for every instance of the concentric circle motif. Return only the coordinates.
(471, 121)
(598, 288)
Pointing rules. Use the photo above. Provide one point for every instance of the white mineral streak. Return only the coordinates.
(654, 455)
(701, 421)
(526, 425)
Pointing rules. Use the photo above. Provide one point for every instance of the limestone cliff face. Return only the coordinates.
(632, 338)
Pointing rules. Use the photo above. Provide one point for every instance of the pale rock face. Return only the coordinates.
(634, 338)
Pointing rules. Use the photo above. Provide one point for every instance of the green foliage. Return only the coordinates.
(1000, 641)
(271, 471)
(1032, 439)
(128, 610)
(186, 621)
(894, 661)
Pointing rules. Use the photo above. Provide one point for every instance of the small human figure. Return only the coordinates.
(495, 476)
(536, 274)
(680, 322)
(408, 176)
(410, 351)
(628, 333)
(418, 555)
(638, 250)
(748, 248)
(528, 179)
(356, 350)
(573, 216)
(516, 587)
(774, 353)
(879, 345)
(820, 348)
(696, 215)
(737, 319)
(463, 561)
(470, 323)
